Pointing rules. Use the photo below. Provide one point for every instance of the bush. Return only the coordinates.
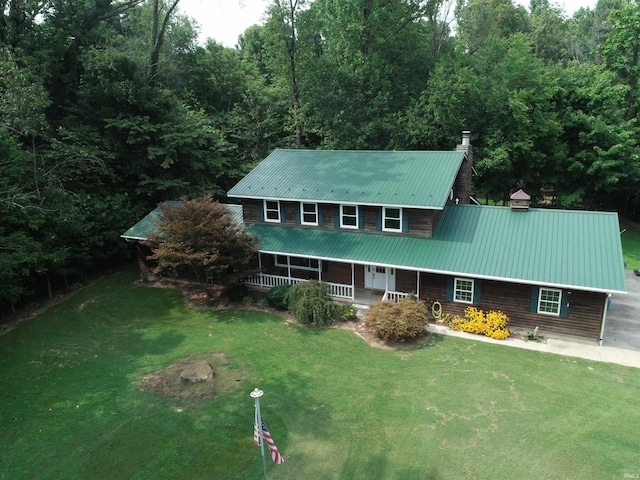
(277, 296)
(492, 324)
(311, 303)
(236, 293)
(393, 321)
(348, 312)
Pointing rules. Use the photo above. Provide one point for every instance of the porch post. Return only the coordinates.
(319, 270)
(353, 283)
(260, 266)
(289, 269)
(418, 284)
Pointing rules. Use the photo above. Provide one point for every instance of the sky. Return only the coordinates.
(225, 20)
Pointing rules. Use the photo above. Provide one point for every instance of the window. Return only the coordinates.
(271, 211)
(309, 213)
(392, 219)
(463, 290)
(349, 216)
(549, 301)
(297, 262)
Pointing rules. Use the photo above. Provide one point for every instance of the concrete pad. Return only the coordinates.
(621, 356)
(573, 349)
(622, 325)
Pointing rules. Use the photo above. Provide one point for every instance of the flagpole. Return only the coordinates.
(256, 394)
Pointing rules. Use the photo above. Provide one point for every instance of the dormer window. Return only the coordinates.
(391, 219)
(272, 211)
(309, 213)
(348, 216)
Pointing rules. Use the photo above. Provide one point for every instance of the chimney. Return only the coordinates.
(462, 185)
(520, 201)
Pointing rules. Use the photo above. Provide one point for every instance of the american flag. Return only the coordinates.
(275, 455)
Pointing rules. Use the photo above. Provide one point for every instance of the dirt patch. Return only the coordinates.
(168, 381)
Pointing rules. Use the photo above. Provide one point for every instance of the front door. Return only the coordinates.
(379, 278)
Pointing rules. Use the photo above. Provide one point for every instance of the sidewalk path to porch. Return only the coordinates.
(586, 350)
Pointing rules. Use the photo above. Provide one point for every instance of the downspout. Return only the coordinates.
(260, 267)
(604, 317)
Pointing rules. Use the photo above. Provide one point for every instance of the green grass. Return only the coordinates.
(71, 405)
(630, 243)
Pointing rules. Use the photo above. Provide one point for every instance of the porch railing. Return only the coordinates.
(390, 296)
(338, 290)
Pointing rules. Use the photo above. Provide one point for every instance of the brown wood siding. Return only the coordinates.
(359, 276)
(251, 210)
(584, 315)
(337, 272)
(420, 222)
(406, 281)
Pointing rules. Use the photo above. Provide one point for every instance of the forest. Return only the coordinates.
(109, 107)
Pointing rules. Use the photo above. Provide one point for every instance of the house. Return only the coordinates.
(383, 225)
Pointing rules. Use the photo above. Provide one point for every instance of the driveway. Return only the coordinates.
(622, 327)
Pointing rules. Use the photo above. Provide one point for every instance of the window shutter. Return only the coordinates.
(405, 220)
(361, 217)
(282, 209)
(320, 215)
(449, 294)
(533, 301)
(298, 220)
(379, 218)
(324, 265)
(564, 304)
(262, 207)
(336, 216)
(477, 292)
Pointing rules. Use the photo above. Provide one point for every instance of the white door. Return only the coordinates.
(379, 278)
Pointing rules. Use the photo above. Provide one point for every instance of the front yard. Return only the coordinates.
(77, 400)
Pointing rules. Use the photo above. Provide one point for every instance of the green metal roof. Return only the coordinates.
(149, 224)
(415, 179)
(561, 248)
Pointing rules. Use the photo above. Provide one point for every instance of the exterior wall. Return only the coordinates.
(584, 315)
(421, 222)
(336, 272)
(406, 281)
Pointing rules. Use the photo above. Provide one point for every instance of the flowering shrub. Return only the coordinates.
(492, 324)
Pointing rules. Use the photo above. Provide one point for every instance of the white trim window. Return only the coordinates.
(300, 263)
(272, 211)
(392, 219)
(309, 213)
(349, 216)
(463, 290)
(549, 301)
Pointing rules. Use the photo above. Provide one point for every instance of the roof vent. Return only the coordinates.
(520, 201)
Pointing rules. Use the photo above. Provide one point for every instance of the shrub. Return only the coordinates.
(393, 321)
(492, 324)
(311, 303)
(236, 293)
(277, 296)
(247, 301)
(262, 302)
(348, 312)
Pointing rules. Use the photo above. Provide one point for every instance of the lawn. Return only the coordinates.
(630, 237)
(73, 407)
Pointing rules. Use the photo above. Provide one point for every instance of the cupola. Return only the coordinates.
(520, 201)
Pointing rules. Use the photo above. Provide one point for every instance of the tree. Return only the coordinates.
(201, 238)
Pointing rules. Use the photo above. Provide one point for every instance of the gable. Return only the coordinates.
(411, 179)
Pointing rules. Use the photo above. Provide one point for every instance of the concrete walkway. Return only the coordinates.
(589, 351)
